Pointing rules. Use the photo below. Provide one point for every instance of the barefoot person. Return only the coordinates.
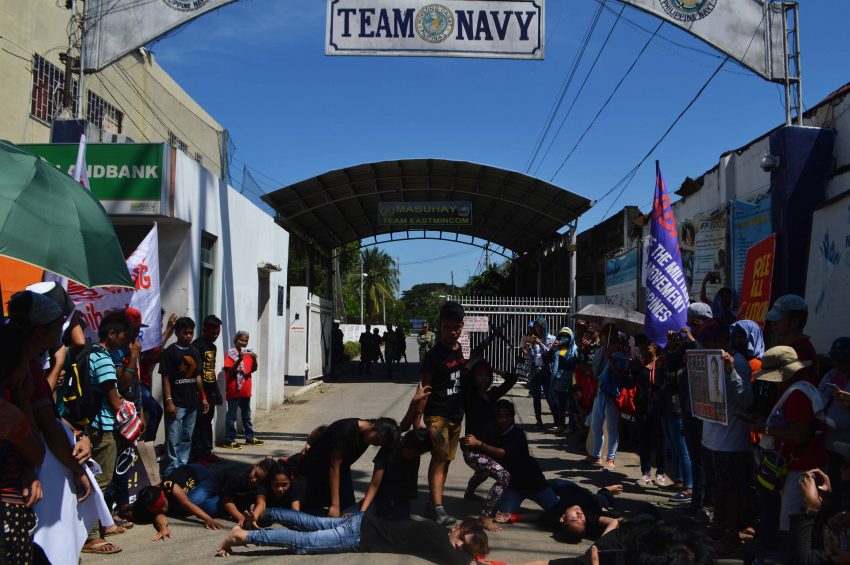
(363, 533)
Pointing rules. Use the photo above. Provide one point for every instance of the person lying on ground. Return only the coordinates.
(280, 490)
(188, 491)
(364, 533)
(577, 514)
(641, 540)
(240, 485)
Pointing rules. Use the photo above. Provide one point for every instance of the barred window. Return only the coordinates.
(177, 143)
(104, 115)
(199, 158)
(48, 89)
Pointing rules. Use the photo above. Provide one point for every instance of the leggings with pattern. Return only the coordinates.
(485, 466)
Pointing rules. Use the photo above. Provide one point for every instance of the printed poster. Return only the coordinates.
(621, 279)
(828, 278)
(703, 247)
(707, 382)
(758, 277)
(751, 223)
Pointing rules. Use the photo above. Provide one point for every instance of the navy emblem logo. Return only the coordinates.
(186, 5)
(688, 10)
(434, 23)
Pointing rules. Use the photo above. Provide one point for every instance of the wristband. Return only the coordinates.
(130, 371)
(169, 399)
(514, 517)
(203, 396)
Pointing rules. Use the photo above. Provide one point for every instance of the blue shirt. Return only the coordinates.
(102, 371)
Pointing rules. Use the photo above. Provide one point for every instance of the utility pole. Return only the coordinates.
(361, 289)
(453, 283)
(82, 62)
(384, 304)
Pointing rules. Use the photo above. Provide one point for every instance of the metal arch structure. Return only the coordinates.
(441, 236)
(511, 212)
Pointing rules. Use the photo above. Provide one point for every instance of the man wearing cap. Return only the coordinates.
(835, 388)
(795, 425)
(202, 438)
(787, 319)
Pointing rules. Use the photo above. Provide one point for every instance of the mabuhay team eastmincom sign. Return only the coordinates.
(450, 28)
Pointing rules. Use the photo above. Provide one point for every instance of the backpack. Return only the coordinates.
(81, 401)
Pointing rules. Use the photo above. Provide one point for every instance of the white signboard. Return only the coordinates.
(512, 29)
(621, 279)
(476, 323)
(828, 277)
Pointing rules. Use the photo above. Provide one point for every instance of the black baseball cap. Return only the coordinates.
(452, 310)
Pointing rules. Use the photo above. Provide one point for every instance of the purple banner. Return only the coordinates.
(666, 286)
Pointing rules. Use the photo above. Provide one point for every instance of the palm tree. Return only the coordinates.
(381, 282)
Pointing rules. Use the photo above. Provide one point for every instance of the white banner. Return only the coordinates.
(828, 276)
(117, 27)
(143, 265)
(749, 31)
(511, 29)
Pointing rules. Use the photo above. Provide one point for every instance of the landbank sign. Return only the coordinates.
(511, 29)
(127, 178)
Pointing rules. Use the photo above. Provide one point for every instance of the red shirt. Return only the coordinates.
(243, 373)
(806, 352)
(798, 408)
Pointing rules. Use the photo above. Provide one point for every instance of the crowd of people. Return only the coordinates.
(394, 344)
(775, 475)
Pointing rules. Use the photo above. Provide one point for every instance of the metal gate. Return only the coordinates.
(486, 312)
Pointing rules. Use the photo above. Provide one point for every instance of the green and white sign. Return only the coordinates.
(128, 178)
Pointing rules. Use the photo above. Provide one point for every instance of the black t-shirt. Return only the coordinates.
(182, 364)
(425, 540)
(296, 492)
(444, 366)
(184, 477)
(570, 494)
(526, 475)
(481, 413)
(343, 434)
(233, 484)
(208, 352)
(401, 476)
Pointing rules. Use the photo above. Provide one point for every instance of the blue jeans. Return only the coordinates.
(317, 535)
(178, 438)
(512, 499)
(243, 404)
(153, 413)
(604, 410)
(203, 495)
(675, 437)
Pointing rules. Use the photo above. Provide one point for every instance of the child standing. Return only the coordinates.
(182, 388)
(202, 440)
(239, 364)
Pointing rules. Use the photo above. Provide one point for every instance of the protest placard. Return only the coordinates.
(707, 384)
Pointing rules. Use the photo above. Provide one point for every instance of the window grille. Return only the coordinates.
(48, 89)
(177, 143)
(103, 114)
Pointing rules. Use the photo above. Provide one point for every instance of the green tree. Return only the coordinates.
(494, 281)
(423, 301)
(379, 285)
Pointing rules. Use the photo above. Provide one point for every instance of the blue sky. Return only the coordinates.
(258, 67)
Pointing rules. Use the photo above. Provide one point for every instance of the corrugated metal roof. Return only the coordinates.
(509, 209)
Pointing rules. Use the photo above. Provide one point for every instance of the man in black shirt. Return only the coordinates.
(366, 351)
(180, 368)
(443, 410)
(202, 439)
(365, 534)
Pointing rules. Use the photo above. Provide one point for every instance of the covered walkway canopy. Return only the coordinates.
(511, 213)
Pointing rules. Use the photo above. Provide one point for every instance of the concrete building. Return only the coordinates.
(160, 162)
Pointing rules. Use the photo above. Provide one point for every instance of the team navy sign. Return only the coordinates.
(453, 28)
(666, 287)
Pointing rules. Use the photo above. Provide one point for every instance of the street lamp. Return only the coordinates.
(362, 277)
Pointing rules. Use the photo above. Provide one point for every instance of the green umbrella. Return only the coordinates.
(49, 220)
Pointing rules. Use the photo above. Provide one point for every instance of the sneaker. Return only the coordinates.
(609, 465)
(645, 481)
(683, 496)
(231, 445)
(429, 511)
(662, 480)
(443, 518)
(254, 441)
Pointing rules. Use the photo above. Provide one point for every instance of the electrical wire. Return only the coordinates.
(608, 100)
(564, 88)
(581, 88)
(625, 181)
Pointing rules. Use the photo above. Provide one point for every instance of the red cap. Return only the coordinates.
(135, 317)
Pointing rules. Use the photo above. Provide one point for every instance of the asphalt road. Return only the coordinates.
(285, 429)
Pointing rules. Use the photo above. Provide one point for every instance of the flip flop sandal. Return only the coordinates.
(114, 530)
(102, 548)
(123, 522)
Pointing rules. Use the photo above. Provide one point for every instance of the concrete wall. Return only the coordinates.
(245, 294)
(152, 103)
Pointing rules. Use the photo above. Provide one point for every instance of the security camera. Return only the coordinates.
(769, 162)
